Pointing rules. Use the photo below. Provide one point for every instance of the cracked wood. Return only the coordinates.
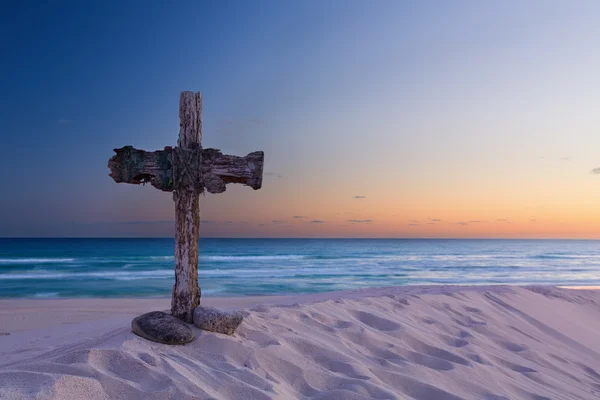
(215, 169)
(186, 291)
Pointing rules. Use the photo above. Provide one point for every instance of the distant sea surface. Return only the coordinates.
(52, 268)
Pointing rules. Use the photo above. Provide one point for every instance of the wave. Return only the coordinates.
(212, 273)
(34, 260)
(119, 275)
(273, 271)
(212, 291)
(247, 258)
(565, 256)
(46, 294)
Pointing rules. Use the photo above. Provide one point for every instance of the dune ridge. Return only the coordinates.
(422, 343)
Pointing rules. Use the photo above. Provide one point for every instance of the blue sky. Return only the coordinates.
(455, 111)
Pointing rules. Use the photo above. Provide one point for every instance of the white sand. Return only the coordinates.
(424, 343)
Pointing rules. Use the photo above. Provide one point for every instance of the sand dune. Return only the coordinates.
(423, 343)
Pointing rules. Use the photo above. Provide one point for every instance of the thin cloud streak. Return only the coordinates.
(145, 222)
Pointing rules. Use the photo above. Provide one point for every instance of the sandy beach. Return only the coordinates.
(423, 343)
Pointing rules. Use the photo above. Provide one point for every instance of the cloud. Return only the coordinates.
(502, 220)
(277, 221)
(317, 221)
(145, 222)
(279, 176)
(413, 224)
(361, 221)
(229, 222)
(565, 158)
(435, 220)
(532, 220)
(298, 217)
(64, 121)
(596, 170)
(475, 221)
(206, 221)
(462, 223)
(168, 223)
(359, 197)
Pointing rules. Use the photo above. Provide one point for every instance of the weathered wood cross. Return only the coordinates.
(186, 170)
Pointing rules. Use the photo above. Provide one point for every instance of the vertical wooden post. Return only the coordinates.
(186, 292)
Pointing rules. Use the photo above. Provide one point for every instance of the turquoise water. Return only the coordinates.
(241, 267)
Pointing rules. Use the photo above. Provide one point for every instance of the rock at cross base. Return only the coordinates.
(162, 328)
(214, 320)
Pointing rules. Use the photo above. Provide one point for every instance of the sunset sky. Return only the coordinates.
(377, 119)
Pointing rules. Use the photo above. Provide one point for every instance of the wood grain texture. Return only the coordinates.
(219, 169)
(190, 120)
(194, 167)
(186, 291)
(130, 165)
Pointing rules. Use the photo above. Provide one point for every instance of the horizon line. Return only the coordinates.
(294, 238)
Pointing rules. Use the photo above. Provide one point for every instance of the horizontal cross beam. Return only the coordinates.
(196, 167)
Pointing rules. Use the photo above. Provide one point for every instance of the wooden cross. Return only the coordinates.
(186, 170)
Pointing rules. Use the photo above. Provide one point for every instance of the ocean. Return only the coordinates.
(55, 268)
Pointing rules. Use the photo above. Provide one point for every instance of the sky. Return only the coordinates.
(377, 119)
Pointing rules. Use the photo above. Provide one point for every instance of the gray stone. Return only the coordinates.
(162, 328)
(214, 320)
